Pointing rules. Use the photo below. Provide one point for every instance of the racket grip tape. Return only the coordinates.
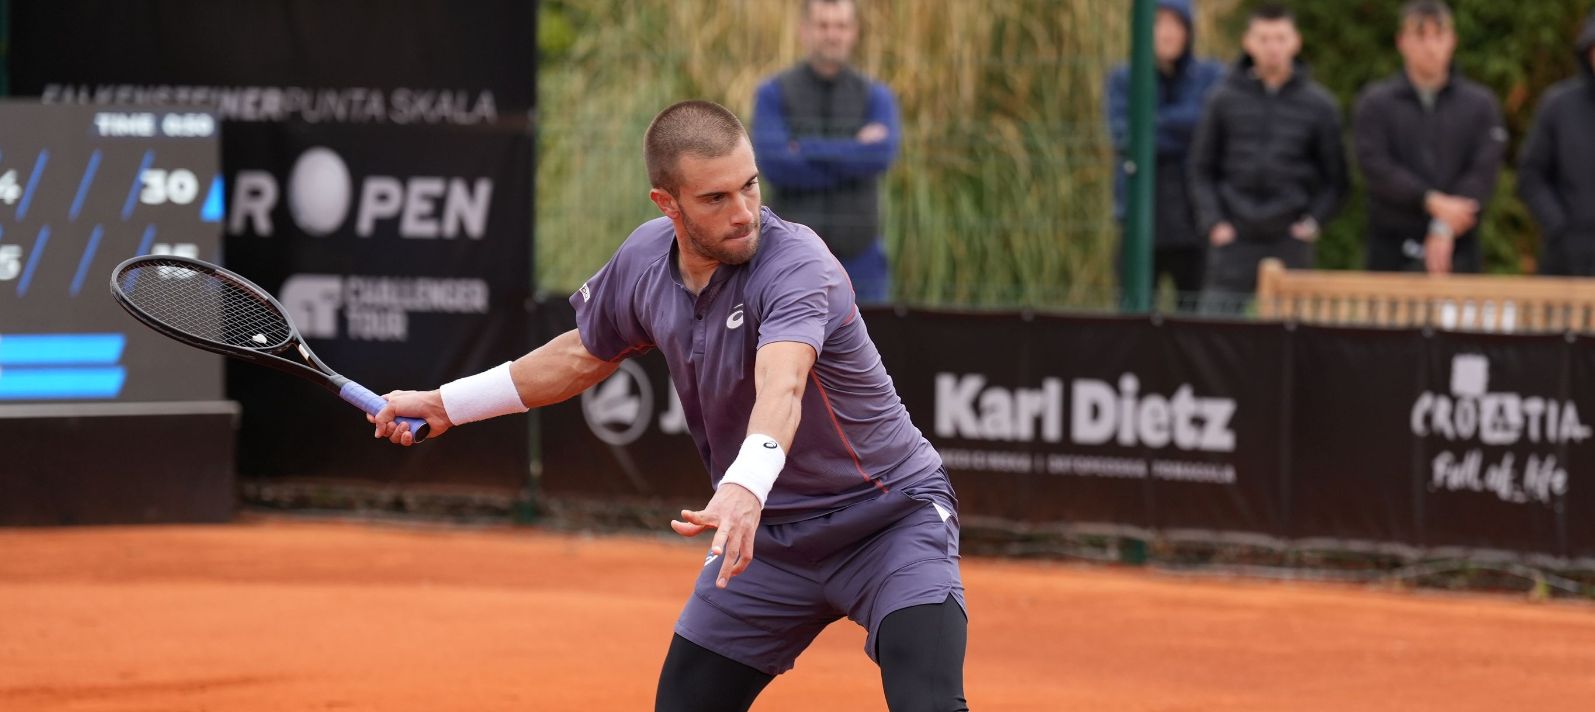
(362, 398)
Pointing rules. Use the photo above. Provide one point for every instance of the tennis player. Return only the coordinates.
(814, 461)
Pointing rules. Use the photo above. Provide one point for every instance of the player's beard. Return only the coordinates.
(716, 248)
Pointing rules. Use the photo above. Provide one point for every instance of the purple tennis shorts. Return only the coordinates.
(863, 562)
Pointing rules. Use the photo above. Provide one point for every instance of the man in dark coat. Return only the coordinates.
(1183, 83)
(1267, 168)
(1430, 144)
(1556, 176)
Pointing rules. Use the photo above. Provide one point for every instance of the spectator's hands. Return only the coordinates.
(1437, 254)
(1305, 229)
(413, 404)
(734, 514)
(873, 132)
(1458, 212)
(1222, 234)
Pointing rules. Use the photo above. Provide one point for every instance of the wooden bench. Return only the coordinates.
(1493, 303)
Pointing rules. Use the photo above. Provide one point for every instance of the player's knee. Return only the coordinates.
(921, 653)
(694, 679)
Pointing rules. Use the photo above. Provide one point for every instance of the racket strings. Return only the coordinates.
(204, 305)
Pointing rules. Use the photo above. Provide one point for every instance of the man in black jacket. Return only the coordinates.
(1430, 144)
(1267, 166)
(1556, 177)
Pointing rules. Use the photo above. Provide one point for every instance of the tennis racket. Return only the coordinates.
(211, 308)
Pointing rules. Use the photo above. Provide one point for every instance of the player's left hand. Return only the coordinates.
(734, 514)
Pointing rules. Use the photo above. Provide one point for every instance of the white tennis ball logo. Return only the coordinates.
(318, 191)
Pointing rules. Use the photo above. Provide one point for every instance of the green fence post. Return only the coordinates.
(1141, 165)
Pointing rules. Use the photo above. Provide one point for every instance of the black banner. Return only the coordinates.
(320, 61)
(377, 164)
(1353, 452)
(1225, 462)
(398, 280)
(1404, 441)
(625, 437)
(1578, 504)
(1495, 425)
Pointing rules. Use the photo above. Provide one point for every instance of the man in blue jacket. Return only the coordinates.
(1183, 84)
(824, 134)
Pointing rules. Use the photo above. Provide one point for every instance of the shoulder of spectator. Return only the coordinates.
(879, 88)
(1210, 70)
(1557, 95)
(1381, 90)
(1119, 75)
(770, 88)
(1222, 93)
(1478, 92)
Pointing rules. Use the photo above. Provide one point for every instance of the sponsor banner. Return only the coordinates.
(1578, 514)
(409, 62)
(1496, 426)
(403, 270)
(1353, 454)
(625, 437)
(1212, 418)
(1386, 438)
(1025, 419)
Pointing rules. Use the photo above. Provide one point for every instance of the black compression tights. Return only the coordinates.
(921, 653)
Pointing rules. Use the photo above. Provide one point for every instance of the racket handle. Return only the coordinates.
(362, 398)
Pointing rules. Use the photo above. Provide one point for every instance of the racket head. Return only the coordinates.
(215, 309)
(212, 308)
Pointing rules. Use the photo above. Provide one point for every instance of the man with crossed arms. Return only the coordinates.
(813, 457)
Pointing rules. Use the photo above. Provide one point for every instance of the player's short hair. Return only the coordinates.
(1270, 12)
(702, 128)
(1426, 11)
(808, 6)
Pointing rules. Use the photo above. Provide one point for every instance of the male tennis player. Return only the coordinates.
(814, 460)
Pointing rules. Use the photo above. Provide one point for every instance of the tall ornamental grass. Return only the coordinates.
(1002, 193)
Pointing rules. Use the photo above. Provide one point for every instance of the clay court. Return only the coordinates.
(273, 614)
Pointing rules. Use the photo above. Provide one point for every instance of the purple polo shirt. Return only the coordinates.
(854, 441)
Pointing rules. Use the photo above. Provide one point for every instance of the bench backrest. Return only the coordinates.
(1496, 303)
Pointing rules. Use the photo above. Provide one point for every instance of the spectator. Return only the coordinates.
(1556, 177)
(824, 135)
(1267, 168)
(1430, 144)
(1183, 83)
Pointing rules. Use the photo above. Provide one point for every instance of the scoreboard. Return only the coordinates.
(81, 189)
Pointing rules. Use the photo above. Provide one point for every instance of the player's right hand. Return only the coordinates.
(411, 404)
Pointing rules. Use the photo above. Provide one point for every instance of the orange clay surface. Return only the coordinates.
(274, 614)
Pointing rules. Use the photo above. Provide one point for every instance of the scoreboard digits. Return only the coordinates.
(81, 189)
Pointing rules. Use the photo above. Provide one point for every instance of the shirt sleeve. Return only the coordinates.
(606, 317)
(796, 303)
(780, 160)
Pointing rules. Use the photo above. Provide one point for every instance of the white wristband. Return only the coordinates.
(757, 465)
(488, 394)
